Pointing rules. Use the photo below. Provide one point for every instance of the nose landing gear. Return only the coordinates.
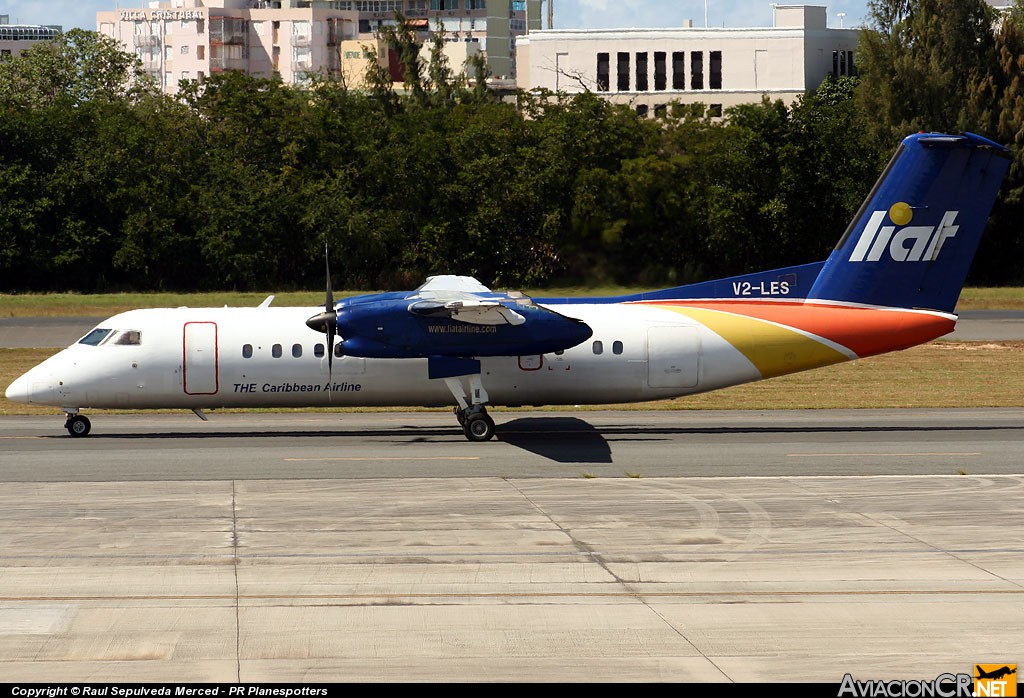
(78, 425)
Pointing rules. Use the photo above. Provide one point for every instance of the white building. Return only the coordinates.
(17, 38)
(720, 67)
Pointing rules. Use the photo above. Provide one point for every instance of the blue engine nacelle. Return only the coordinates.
(395, 328)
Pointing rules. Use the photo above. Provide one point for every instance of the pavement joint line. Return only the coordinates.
(893, 455)
(377, 458)
(527, 595)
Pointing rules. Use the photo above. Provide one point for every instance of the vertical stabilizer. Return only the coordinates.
(913, 240)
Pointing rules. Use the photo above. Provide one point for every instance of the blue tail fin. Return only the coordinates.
(912, 242)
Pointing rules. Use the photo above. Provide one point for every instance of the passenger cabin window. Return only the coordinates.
(275, 351)
(598, 347)
(338, 352)
(616, 347)
(95, 337)
(246, 351)
(318, 351)
(297, 350)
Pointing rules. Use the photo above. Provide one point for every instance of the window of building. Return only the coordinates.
(641, 72)
(598, 346)
(616, 347)
(200, 76)
(246, 351)
(715, 111)
(275, 351)
(715, 70)
(678, 70)
(201, 52)
(696, 70)
(641, 110)
(659, 111)
(659, 70)
(842, 63)
(622, 72)
(200, 26)
(602, 72)
(185, 75)
(168, 52)
(184, 50)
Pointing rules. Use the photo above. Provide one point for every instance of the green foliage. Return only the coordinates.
(239, 182)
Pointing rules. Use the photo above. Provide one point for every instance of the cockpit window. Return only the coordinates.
(95, 337)
(126, 338)
(103, 336)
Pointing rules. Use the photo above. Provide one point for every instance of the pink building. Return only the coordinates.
(191, 39)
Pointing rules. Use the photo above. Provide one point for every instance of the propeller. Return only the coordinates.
(327, 321)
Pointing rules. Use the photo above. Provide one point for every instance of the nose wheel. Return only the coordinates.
(78, 425)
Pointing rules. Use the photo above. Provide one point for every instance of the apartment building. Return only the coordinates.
(191, 39)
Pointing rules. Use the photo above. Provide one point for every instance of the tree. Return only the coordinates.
(916, 59)
(77, 67)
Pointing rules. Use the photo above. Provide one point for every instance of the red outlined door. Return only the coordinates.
(199, 358)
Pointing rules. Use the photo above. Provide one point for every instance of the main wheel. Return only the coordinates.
(479, 427)
(78, 425)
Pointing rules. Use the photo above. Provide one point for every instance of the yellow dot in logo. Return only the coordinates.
(900, 213)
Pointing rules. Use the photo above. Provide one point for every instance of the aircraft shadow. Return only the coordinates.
(560, 439)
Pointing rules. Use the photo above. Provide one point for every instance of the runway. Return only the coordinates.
(313, 445)
(597, 547)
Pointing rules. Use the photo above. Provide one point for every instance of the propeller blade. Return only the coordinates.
(327, 321)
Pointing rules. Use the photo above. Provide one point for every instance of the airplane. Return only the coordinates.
(892, 282)
(994, 674)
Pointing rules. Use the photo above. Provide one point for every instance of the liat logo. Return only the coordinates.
(902, 242)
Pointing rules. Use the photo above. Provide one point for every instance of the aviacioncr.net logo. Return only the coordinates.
(902, 242)
(942, 686)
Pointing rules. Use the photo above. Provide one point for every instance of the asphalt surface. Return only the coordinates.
(318, 445)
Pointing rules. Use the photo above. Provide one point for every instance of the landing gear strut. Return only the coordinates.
(476, 424)
(78, 425)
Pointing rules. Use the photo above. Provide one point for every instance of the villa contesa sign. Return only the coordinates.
(154, 15)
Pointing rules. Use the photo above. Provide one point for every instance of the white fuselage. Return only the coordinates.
(204, 358)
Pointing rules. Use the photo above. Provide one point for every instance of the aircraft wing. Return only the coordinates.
(464, 299)
(473, 311)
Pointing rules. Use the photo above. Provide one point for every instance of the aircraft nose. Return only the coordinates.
(31, 387)
(18, 391)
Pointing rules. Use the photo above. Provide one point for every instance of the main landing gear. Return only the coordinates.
(78, 425)
(476, 423)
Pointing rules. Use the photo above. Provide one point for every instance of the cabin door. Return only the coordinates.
(199, 364)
